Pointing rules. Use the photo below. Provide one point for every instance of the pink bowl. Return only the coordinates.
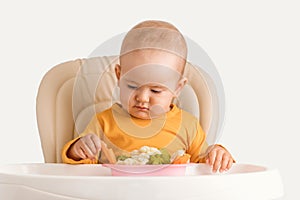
(147, 170)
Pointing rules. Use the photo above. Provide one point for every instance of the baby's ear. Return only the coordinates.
(118, 71)
(181, 83)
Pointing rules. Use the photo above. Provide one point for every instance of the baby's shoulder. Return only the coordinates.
(187, 115)
(189, 123)
(104, 113)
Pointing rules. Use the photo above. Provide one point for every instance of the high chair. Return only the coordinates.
(68, 96)
(71, 93)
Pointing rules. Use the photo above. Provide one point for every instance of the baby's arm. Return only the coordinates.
(216, 156)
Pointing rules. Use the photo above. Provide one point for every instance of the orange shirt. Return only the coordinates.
(175, 130)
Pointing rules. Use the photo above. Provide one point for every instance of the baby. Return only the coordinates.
(152, 61)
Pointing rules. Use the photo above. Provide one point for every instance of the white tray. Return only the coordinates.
(62, 181)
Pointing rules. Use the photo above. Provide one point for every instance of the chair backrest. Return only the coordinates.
(72, 92)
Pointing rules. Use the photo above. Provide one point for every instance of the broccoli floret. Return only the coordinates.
(122, 157)
(157, 159)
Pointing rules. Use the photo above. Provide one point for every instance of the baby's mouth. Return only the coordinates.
(141, 108)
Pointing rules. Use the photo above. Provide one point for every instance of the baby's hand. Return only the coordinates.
(219, 158)
(87, 146)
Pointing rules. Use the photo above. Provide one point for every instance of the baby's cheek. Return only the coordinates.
(126, 95)
(157, 110)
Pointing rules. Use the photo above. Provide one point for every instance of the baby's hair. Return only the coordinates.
(154, 34)
(155, 24)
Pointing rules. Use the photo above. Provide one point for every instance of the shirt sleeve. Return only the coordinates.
(92, 127)
(198, 146)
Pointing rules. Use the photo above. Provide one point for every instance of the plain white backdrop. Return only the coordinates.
(255, 46)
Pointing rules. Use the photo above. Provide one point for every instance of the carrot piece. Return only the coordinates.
(182, 159)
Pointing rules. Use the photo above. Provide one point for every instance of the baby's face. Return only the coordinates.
(148, 81)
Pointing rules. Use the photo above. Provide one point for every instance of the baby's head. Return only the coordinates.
(152, 61)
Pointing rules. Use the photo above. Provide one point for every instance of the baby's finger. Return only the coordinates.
(225, 161)
(217, 162)
(229, 164)
(207, 161)
(90, 145)
(87, 151)
(81, 154)
(211, 157)
(97, 142)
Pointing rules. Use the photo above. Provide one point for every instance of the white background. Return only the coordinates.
(254, 45)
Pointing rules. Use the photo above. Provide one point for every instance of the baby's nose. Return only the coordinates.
(142, 95)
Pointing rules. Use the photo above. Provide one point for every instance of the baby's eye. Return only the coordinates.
(156, 91)
(133, 87)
